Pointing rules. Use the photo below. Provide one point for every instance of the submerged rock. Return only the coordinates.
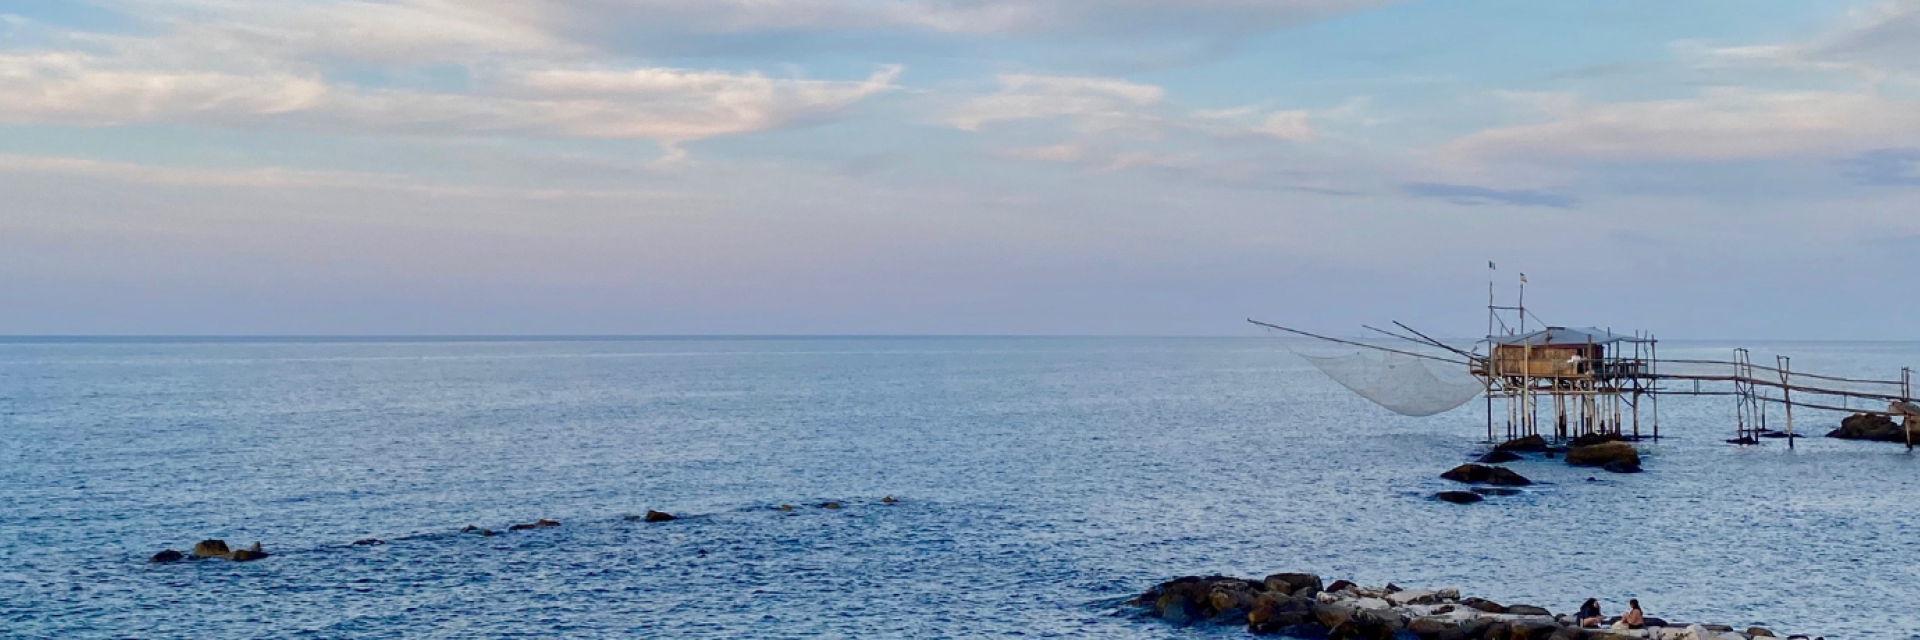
(167, 555)
(1483, 474)
(1495, 491)
(1498, 456)
(1623, 466)
(368, 542)
(250, 553)
(1458, 497)
(1869, 426)
(1523, 445)
(660, 516)
(211, 549)
(830, 505)
(889, 500)
(1601, 455)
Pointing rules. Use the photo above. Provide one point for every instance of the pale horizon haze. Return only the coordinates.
(1715, 169)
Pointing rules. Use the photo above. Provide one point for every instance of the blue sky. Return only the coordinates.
(1709, 169)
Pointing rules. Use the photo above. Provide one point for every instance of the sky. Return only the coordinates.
(1712, 169)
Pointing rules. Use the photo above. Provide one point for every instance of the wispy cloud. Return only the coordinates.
(1470, 195)
(1885, 167)
(273, 178)
(1717, 125)
(669, 105)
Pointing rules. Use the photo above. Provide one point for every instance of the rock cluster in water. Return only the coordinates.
(1299, 605)
(1871, 426)
(1609, 452)
(206, 549)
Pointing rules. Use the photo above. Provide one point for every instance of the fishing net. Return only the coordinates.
(1403, 384)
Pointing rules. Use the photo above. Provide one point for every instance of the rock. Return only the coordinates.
(1498, 456)
(1868, 426)
(538, 524)
(1272, 612)
(1600, 455)
(1414, 596)
(1527, 610)
(520, 527)
(1431, 627)
(167, 555)
(1530, 629)
(1523, 445)
(1294, 583)
(660, 516)
(1495, 491)
(1594, 438)
(544, 523)
(368, 542)
(889, 500)
(210, 549)
(786, 507)
(1484, 605)
(1568, 633)
(1458, 497)
(829, 505)
(250, 553)
(1759, 632)
(1623, 466)
(1333, 615)
(1229, 599)
(1193, 598)
(1483, 474)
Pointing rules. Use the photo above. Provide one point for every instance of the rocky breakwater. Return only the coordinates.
(1299, 605)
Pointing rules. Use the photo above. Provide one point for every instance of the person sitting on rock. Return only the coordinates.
(1634, 618)
(1589, 615)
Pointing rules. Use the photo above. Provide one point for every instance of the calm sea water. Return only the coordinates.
(1041, 480)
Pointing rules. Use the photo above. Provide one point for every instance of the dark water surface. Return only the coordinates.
(1041, 480)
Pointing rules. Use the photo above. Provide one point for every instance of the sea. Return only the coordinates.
(1038, 484)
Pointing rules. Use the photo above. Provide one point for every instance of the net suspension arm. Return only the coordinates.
(1358, 344)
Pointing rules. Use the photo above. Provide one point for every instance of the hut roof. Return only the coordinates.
(1563, 336)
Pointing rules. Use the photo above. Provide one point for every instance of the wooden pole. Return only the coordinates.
(1786, 394)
